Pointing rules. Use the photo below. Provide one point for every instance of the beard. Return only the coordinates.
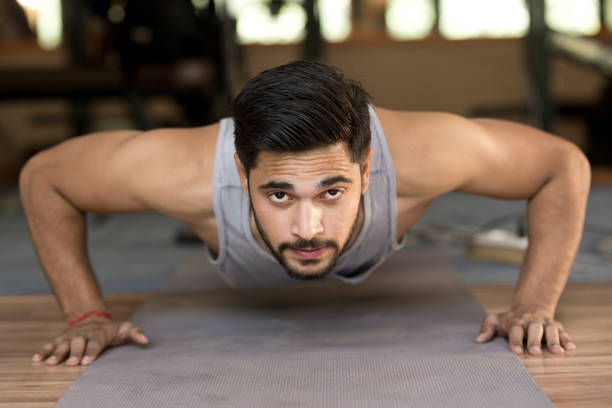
(324, 270)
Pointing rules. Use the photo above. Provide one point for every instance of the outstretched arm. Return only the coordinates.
(555, 218)
(111, 172)
(56, 219)
(511, 161)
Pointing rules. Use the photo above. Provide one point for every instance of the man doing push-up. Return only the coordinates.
(307, 180)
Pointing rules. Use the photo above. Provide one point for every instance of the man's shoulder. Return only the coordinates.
(174, 169)
(419, 143)
(188, 136)
(407, 126)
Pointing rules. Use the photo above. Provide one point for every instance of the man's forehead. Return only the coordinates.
(321, 162)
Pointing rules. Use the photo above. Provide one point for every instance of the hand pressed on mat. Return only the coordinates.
(84, 341)
(533, 327)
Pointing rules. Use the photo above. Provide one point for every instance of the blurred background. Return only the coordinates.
(70, 67)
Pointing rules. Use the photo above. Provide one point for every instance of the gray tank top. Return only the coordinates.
(243, 264)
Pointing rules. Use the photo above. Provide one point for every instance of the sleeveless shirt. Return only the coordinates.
(242, 263)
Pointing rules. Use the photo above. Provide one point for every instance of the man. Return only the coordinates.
(317, 183)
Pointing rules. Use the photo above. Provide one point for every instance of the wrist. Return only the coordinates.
(526, 306)
(78, 307)
(92, 313)
(535, 300)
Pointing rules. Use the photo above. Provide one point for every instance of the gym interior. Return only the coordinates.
(73, 67)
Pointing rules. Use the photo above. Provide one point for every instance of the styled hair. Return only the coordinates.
(298, 107)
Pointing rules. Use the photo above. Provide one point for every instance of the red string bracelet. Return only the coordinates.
(101, 313)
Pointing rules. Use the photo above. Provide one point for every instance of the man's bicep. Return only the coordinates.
(511, 160)
(96, 172)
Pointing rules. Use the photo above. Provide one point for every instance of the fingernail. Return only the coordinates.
(36, 357)
(570, 346)
(71, 360)
(535, 350)
(517, 349)
(51, 360)
(86, 360)
(480, 338)
(557, 349)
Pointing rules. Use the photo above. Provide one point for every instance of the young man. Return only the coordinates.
(307, 181)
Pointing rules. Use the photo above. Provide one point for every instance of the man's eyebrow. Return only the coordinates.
(283, 185)
(277, 185)
(333, 180)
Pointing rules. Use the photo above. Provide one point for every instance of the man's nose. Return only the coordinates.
(308, 222)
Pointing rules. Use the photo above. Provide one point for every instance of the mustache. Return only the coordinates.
(308, 244)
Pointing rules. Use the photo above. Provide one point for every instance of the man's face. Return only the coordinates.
(306, 206)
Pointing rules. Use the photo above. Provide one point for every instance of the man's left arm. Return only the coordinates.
(516, 161)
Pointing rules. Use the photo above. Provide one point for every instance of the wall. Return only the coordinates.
(439, 75)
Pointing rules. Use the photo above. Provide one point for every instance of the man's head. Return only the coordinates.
(302, 134)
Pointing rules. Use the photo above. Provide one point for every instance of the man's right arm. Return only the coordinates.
(111, 172)
(55, 188)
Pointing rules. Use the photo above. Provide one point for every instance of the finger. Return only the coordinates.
(60, 353)
(552, 339)
(77, 348)
(515, 338)
(137, 335)
(94, 347)
(535, 331)
(488, 328)
(128, 332)
(566, 341)
(122, 335)
(44, 352)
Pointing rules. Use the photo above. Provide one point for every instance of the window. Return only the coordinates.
(409, 19)
(259, 22)
(573, 16)
(461, 19)
(335, 18)
(45, 18)
(608, 14)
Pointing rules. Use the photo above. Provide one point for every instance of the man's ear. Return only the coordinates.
(366, 166)
(244, 180)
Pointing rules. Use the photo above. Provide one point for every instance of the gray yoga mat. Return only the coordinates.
(402, 338)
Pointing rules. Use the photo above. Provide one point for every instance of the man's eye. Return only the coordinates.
(332, 194)
(279, 197)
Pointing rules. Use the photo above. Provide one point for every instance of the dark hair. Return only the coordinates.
(298, 107)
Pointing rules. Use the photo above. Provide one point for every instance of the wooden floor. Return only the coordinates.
(582, 379)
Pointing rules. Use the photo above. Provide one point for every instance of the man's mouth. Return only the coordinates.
(308, 253)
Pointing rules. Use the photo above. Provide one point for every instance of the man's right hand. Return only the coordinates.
(84, 341)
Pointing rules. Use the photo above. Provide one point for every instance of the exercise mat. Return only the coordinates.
(402, 338)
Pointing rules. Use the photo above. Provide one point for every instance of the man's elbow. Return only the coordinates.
(33, 173)
(576, 167)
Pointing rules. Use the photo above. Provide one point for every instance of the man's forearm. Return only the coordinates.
(555, 218)
(58, 232)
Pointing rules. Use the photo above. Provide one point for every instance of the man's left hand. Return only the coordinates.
(534, 327)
